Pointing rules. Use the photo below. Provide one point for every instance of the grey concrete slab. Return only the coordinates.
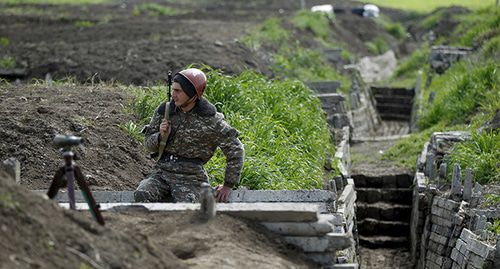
(330, 242)
(320, 228)
(270, 212)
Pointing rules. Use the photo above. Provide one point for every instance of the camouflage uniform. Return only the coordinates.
(194, 137)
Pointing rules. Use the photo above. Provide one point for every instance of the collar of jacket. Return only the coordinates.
(202, 108)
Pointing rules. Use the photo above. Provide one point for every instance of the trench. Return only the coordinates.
(384, 193)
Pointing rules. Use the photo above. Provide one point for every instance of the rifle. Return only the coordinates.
(163, 142)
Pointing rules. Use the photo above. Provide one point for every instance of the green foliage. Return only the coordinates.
(477, 26)
(427, 6)
(283, 129)
(282, 126)
(396, 29)
(316, 22)
(377, 46)
(495, 228)
(460, 92)
(481, 154)
(405, 152)
(491, 199)
(7, 62)
(432, 20)
(411, 65)
(491, 49)
(306, 65)
(270, 32)
(153, 9)
(83, 24)
(4, 41)
(133, 130)
(6, 201)
(146, 100)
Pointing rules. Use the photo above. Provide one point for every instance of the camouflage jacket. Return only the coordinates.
(197, 134)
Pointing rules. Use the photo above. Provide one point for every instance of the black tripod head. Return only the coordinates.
(65, 142)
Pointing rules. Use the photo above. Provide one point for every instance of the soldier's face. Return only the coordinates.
(179, 96)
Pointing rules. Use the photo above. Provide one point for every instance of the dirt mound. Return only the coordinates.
(36, 233)
(30, 116)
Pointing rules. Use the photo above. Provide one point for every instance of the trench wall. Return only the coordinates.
(448, 229)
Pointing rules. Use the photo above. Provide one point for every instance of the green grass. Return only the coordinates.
(282, 125)
(270, 32)
(83, 24)
(477, 27)
(429, 5)
(377, 46)
(461, 92)
(306, 65)
(55, 2)
(405, 152)
(4, 41)
(153, 9)
(432, 20)
(7, 62)
(481, 154)
(316, 22)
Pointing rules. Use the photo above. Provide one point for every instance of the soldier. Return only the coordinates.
(194, 131)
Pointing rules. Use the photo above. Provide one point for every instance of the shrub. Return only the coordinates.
(7, 62)
(316, 22)
(396, 30)
(377, 46)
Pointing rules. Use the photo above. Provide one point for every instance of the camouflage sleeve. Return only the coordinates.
(232, 147)
(151, 137)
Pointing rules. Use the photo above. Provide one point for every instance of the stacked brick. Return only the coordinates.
(444, 225)
(469, 252)
(438, 237)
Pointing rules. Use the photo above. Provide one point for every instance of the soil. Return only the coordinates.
(36, 233)
(30, 117)
(109, 43)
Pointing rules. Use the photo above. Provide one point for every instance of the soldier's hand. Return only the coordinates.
(164, 128)
(222, 193)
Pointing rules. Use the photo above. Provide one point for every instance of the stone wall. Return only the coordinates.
(364, 116)
(447, 228)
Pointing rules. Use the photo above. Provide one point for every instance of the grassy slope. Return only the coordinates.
(466, 96)
(429, 5)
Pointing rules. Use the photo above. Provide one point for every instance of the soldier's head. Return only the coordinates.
(188, 86)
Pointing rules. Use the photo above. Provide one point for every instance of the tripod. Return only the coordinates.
(67, 174)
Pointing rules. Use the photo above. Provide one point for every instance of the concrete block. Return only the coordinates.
(303, 196)
(346, 266)
(467, 194)
(456, 184)
(322, 258)
(319, 228)
(270, 212)
(479, 248)
(446, 203)
(99, 196)
(330, 242)
(12, 167)
(441, 221)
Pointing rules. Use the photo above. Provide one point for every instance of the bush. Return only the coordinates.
(4, 41)
(282, 126)
(152, 9)
(377, 46)
(396, 30)
(410, 66)
(481, 153)
(316, 22)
